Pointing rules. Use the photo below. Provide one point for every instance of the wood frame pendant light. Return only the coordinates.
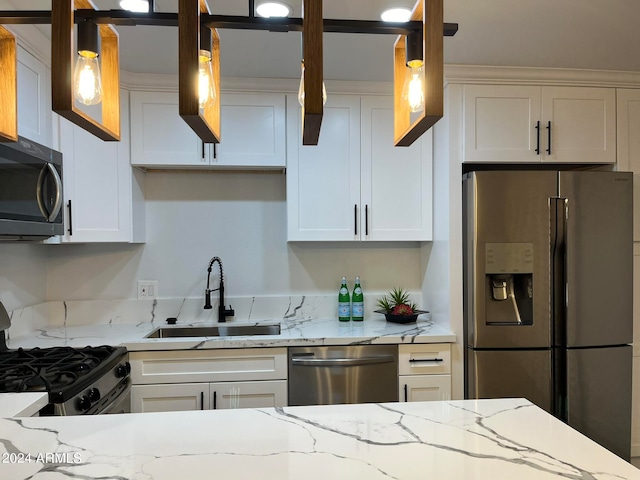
(205, 123)
(62, 60)
(312, 28)
(8, 87)
(406, 131)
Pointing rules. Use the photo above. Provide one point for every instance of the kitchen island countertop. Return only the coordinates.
(471, 439)
(294, 332)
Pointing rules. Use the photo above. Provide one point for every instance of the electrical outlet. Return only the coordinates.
(147, 289)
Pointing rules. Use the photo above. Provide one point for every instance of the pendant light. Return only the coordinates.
(418, 74)
(63, 76)
(413, 90)
(87, 84)
(206, 84)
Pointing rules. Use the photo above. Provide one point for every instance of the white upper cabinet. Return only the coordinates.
(252, 130)
(530, 124)
(103, 196)
(34, 99)
(323, 181)
(159, 136)
(355, 185)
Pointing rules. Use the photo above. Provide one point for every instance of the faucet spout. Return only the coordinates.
(223, 312)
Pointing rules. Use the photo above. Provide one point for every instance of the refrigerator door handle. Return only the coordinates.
(558, 231)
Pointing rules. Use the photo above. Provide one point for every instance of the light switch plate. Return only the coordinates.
(147, 289)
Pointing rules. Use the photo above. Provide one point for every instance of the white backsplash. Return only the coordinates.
(186, 310)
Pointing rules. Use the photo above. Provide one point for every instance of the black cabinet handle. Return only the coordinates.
(215, 400)
(215, 150)
(201, 400)
(406, 393)
(549, 137)
(355, 219)
(202, 143)
(538, 137)
(418, 360)
(70, 229)
(366, 219)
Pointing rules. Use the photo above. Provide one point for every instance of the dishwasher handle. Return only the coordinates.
(341, 362)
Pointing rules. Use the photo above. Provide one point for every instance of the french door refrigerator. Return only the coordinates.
(548, 295)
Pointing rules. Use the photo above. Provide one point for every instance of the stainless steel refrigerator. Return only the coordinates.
(548, 295)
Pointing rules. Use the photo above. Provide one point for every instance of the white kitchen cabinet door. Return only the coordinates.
(583, 125)
(101, 193)
(248, 394)
(252, 131)
(424, 388)
(34, 99)
(179, 397)
(531, 124)
(396, 182)
(500, 122)
(159, 136)
(628, 126)
(323, 181)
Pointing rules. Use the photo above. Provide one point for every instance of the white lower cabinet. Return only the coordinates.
(424, 372)
(179, 380)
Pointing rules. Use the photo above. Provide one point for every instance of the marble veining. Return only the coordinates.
(472, 439)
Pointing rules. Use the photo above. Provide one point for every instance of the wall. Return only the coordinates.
(240, 217)
(23, 275)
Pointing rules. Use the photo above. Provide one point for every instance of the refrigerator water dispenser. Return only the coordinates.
(509, 284)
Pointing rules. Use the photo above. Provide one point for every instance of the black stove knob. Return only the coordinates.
(94, 394)
(84, 403)
(123, 370)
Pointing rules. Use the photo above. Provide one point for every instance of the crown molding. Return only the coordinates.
(479, 74)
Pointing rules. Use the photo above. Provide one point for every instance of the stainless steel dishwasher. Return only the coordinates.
(345, 374)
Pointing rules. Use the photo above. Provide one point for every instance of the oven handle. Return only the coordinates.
(50, 216)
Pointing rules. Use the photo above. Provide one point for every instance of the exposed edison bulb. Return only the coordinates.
(301, 90)
(206, 85)
(87, 85)
(413, 90)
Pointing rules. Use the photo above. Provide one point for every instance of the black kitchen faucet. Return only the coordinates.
(223, 313)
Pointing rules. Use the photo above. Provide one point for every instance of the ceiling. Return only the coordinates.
(584, 34)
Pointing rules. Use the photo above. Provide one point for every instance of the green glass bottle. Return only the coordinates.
(357, 307)
(344, 302)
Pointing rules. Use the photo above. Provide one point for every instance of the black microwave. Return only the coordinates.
(31, 194)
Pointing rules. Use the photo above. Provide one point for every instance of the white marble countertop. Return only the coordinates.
(22, 404)
(472, 439)
(314, 331)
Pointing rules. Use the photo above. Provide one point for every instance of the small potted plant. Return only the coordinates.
(397, 307)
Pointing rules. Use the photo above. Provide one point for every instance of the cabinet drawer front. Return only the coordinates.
(208, 365)
(424, 359)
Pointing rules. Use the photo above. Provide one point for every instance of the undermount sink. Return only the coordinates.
(217, 331)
